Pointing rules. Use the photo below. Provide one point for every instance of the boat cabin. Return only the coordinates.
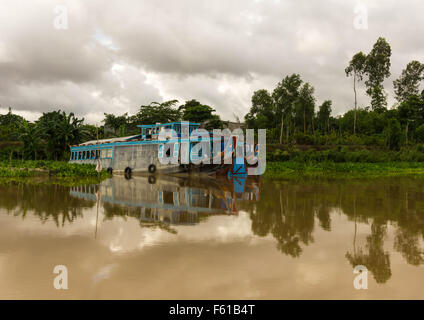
(152, 131)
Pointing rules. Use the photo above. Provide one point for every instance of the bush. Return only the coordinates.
(420, 133)
(394, 134)
(304, 139)
(281, 155)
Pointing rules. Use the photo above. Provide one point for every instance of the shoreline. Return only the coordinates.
(274, 169)
(342, 170)
(47, 168)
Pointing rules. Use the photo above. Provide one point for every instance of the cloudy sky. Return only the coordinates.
(96, 56)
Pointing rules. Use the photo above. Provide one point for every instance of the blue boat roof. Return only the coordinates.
(168, 124)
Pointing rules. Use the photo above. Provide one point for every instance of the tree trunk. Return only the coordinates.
(406, 132)
(287, 132)
(354, 114)
(304, 121)
(313, 128)
(282, 128)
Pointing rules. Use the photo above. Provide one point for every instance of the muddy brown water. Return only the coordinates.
(177, 238)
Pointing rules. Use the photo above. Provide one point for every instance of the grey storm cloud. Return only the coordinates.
(116, 55)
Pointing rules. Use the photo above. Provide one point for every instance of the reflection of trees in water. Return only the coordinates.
(410, 232)
(375, 259)
(112, 210)
(288, 214)
(47, 201)
(288, 211)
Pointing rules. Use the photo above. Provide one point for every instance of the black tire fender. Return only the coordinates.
(152, 168)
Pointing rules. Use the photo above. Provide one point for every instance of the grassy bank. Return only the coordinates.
(293, 169)
(30, 168)
(343, 154)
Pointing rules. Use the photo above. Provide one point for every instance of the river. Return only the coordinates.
(179, 238)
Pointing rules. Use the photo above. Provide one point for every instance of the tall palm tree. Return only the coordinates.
(31, 136)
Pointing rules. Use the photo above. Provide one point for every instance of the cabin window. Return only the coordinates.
(184, 132)
(93, 154)
(83, 155)
(160, 151)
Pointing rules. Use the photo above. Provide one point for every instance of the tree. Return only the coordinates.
(261, 114)
(305, 105)
(377, 68)
(92, 132)
(409, 81)
(9, 126)
(158, 112)
(115, 122)
(284, 95)
(420, 133)
(324, 113)
(214, 122)
(378, 99)
(393, 134)
(60, 130)
(356, 68)
(411, 113)
(31, 136)
(194, 111)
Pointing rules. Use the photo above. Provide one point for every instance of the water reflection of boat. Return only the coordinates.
(171, 200)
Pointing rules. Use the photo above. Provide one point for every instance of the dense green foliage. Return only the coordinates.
(28, 168)
(344, 154)
(344, 162)
(291, 116)
(164, 112)
(294, 169)
(50, 137)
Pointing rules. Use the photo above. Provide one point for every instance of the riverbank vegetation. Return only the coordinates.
(50, 137)
(30, 168)
(293, 169)
(343, 161)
